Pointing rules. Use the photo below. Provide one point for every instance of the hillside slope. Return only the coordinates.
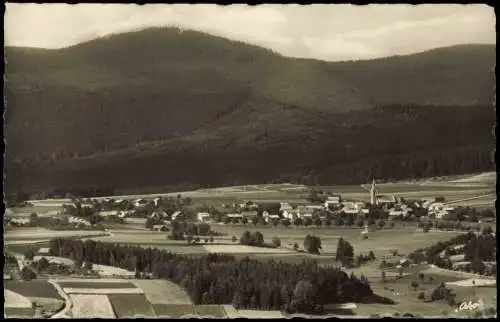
(155, 97)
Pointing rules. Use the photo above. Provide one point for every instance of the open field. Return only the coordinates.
(130, 305)
(216, 311)
(174, 310)
(94, 284)
(474, 282)
(231, 249)
(255, 314)
(42, 233)
(34, 288)
(49, 305)
(91, 305)
(159, 297)
(18, 312)
(163, 292)
(12, 299)
(71, 290)
(451, 188)
(105, 270)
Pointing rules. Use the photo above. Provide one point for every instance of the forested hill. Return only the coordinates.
(158, 107)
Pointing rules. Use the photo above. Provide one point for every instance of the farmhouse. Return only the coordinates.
(108, 213)
(140, 203)
(336, 198)
(78, 221)
(314, 207)
(159, 215)
(400, 210)
(157, 201)
(270, 218)
(203, 216)
(176, 214)
(303, 212)
(381, 200)
(249, 205)
(19, 221)
(67, 209)
(160, 228)
(234, 215)
(123, 214)
(290, 214)
(351, 207)
(249, 214)
(119, 202)
(285, 206)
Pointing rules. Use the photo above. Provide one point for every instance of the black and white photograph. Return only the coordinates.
(249, 161)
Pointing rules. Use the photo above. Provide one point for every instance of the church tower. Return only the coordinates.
(373, 193)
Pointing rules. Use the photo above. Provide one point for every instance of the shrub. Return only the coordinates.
(276, 241)
(211, 239)
(414, 284)
(28, 274)
(252, 238)
(421, 296)
(29, 254)
(42, 264)
(234, 239)
(295, 246)
(312, 244)
(487, 230)
(88, 265)
(345, 251)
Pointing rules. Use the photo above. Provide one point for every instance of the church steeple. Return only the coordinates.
(373, 193)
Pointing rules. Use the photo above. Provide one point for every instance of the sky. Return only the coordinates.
(332, 32)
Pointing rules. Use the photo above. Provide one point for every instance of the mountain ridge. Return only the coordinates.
(209, 95)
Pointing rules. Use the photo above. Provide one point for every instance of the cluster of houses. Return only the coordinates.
(392, 205)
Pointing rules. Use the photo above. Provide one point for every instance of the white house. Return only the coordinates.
(160, 228)
(336, 199)
(400, 210)
(156, 201)
(303, 212)
(385, 199)
(125, 213)
(20, 221)
(285, 206)
(249, 214)
(159, 215)
(78, 221)
(270, 218)
(140, 202)
(290, 214)
(119, 201)
(203, 216)
(176, 214)
(87, 205)
(351, 207)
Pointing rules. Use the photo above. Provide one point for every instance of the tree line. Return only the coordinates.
(477, 248)
(247, 283)
(450, 140)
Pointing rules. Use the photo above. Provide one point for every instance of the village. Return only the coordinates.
(322, 209)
